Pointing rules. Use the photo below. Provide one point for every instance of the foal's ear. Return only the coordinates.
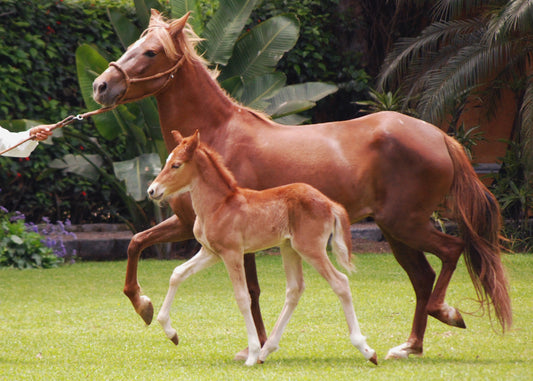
(177, 136)
(195, 141)
(177, 26)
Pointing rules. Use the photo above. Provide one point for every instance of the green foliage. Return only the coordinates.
(514, 191)
(382, 101)
(318, 54)
(20, 248)
(38, 81)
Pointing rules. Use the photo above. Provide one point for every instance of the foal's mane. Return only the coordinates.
(210, 158)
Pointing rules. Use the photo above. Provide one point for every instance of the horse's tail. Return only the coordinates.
(341, 240)
(477, 213)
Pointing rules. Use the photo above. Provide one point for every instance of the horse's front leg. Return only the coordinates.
(202, 260)
(170, 230)
(234, 265)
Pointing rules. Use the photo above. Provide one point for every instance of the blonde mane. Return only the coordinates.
(188, 40)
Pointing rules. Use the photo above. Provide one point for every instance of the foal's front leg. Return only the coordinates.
(234, 264)
(292, 263)
(203, 259)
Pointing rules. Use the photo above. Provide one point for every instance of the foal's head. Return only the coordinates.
(177, 174)
(148, 65)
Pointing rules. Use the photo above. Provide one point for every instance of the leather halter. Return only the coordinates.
(170, 72)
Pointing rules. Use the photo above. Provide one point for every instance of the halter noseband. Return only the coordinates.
(170, 72)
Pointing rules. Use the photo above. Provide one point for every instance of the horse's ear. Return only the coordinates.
(154, 16)
(177, 136)
(177, 26)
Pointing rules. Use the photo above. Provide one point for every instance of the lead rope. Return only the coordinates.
(65, 122)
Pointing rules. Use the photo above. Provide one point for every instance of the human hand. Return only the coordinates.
(41, 132)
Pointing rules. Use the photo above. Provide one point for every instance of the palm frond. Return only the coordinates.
(450, 9)
(409, 50)
(472, 66)
(526, 130)
(515, 18)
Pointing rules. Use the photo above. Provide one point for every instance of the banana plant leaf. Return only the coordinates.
(78, 165)
(143, 10)
(126, 31)
(137, 173)
(224, 29)
(258, 51)
(181, 7)
(297, 98)
(257, 89)
(89, 64)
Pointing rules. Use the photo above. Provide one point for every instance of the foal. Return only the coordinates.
(232, 221)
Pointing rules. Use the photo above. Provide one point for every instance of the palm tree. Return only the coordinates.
(476, 47)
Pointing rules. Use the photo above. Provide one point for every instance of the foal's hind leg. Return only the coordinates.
(203, 259)
(292, 263)
(340, 285)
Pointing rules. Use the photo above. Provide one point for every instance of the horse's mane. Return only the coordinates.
(188, 41)
(209, 157)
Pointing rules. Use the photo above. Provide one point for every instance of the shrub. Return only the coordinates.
(38, 80)
(21, 248)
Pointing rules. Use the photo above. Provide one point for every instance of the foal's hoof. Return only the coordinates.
(175, 339)
(146, 310)
(374, 359)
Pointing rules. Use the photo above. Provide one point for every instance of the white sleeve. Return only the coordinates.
(9, 139)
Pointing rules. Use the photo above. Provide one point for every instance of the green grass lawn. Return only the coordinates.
(74, 323)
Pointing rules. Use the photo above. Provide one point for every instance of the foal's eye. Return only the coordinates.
(176, 165)
(150, 53)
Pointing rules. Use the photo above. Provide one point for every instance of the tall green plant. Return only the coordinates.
(247, 63)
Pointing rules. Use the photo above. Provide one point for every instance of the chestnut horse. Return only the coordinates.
(232, 221)
(392, 167)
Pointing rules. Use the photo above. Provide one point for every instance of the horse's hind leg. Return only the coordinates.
(202, 260)
(292, 263)
(424, 237)
(422, 276)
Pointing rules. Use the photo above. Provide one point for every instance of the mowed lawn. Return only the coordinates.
(74, 323)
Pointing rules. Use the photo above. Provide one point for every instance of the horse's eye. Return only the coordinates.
(176, 165)
(150, 53)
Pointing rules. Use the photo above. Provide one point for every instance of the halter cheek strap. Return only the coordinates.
(129, 81)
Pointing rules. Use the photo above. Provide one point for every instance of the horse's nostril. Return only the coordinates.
(151, 192)
(102, 87)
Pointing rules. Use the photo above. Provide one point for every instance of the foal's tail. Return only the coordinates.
(341, 240)
(478, 215)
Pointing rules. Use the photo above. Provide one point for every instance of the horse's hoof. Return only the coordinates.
(402, 352)
(175, 339)
(374, 359)
(448, 315)
(146, 310)
(242, 355)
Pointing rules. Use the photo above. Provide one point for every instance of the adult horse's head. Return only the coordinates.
(147, 66)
